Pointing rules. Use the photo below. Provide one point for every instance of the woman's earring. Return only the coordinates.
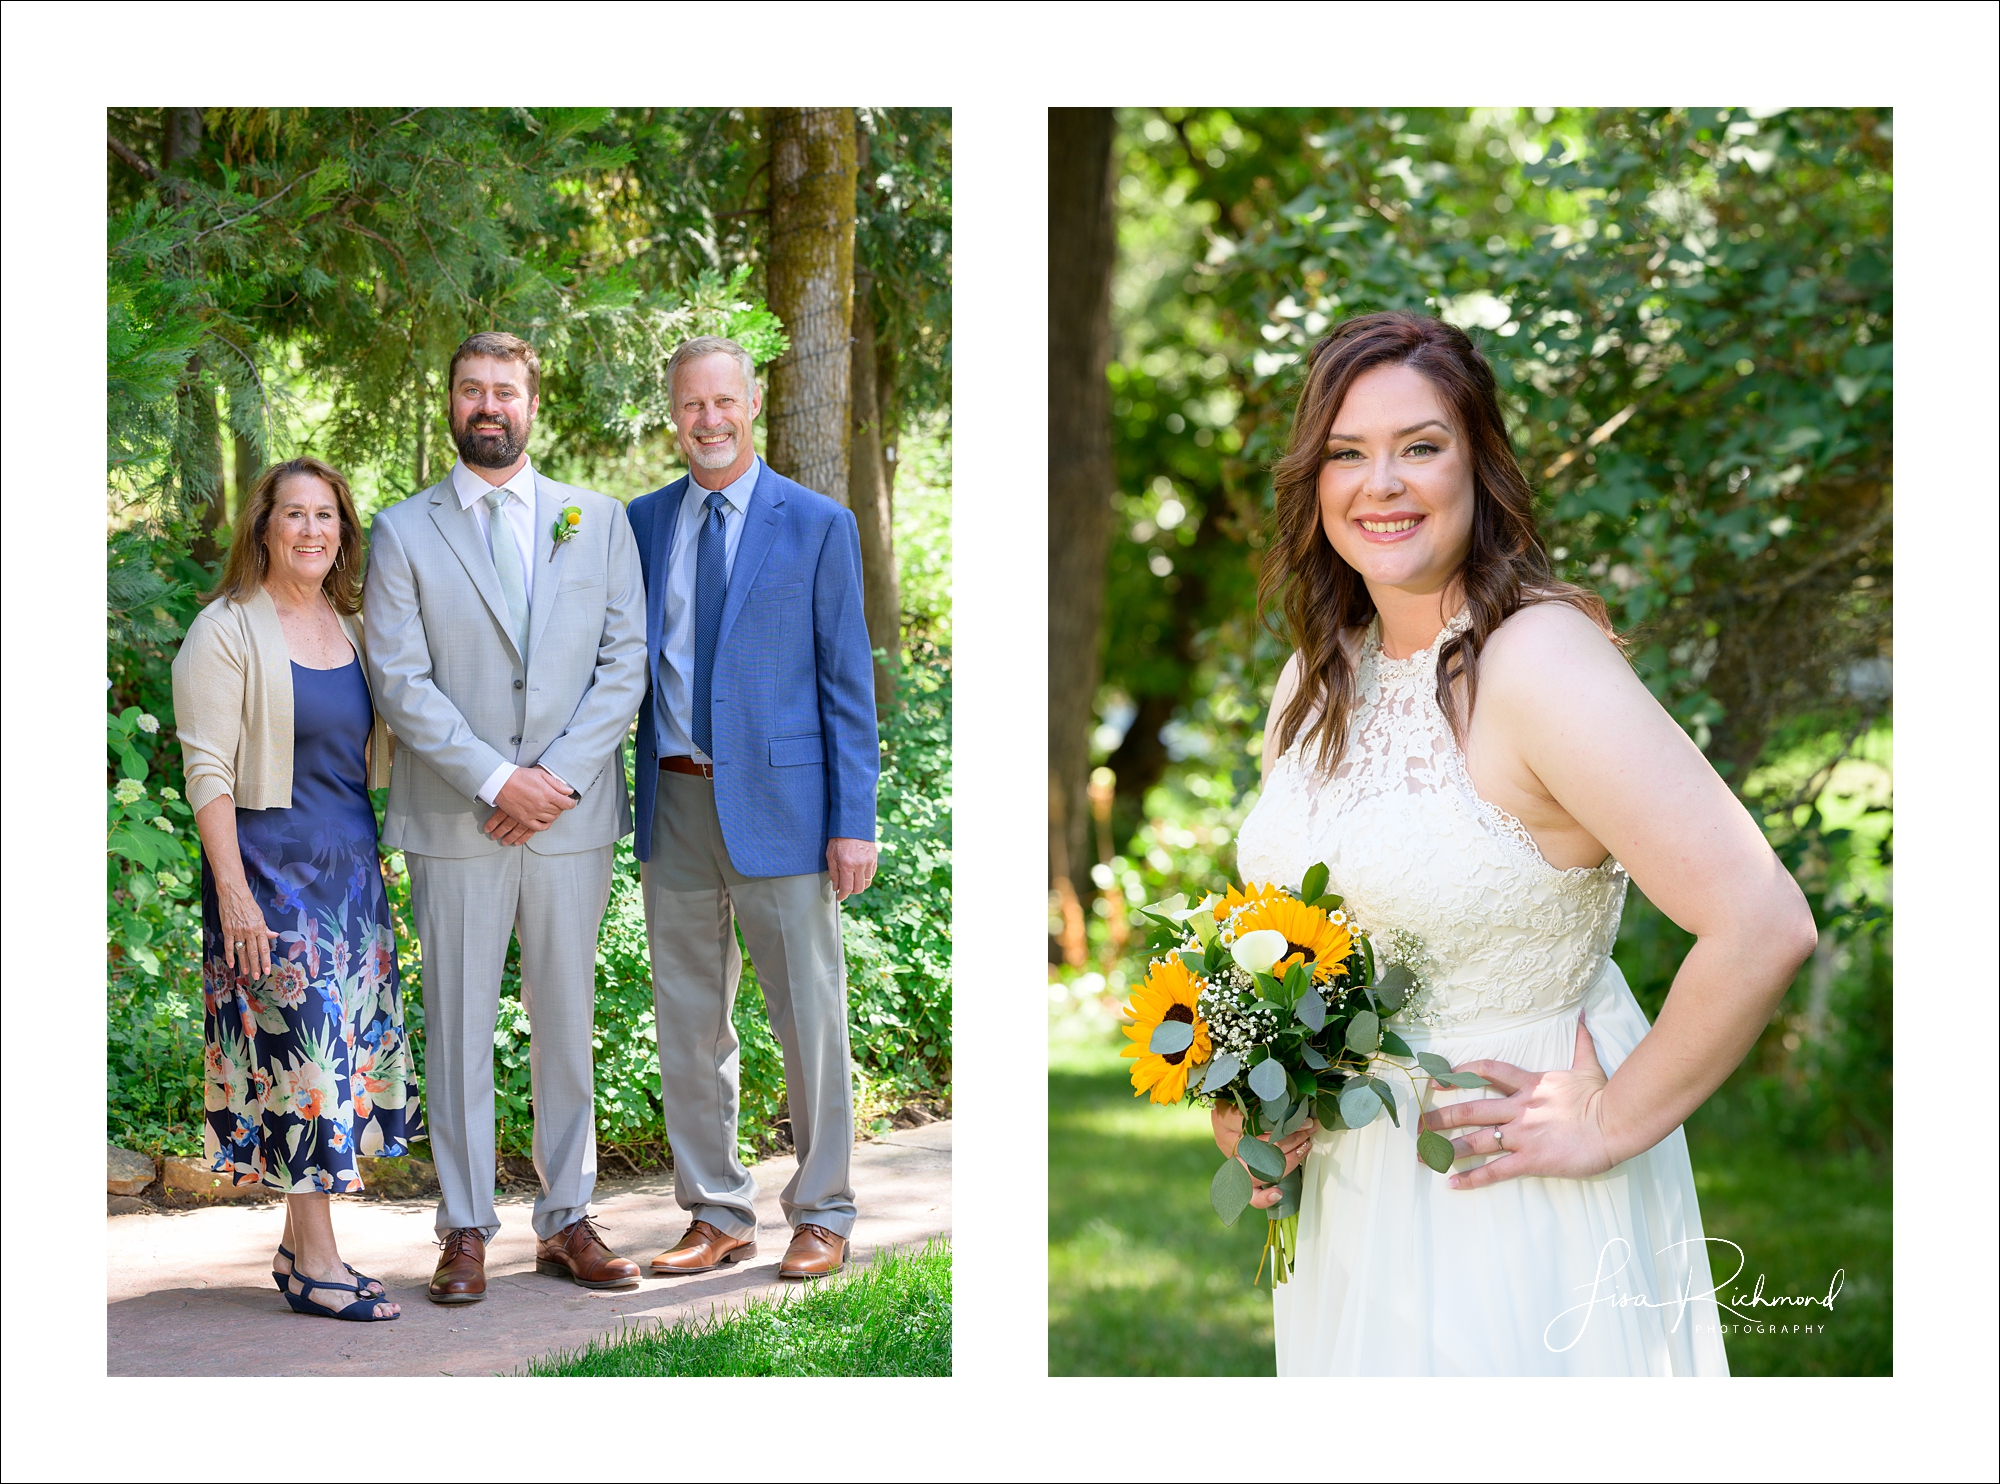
(340, 558)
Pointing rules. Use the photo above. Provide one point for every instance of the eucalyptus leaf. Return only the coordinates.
(1312, 1058)
(1291, 1190)
(1229, 1191)
(1383, 1091)
(1170, 1036)
(1364, 1032)
(1431, 1062)
(1296, 1119)
(1276, 1111)
(1194, 961)
(1435, 1150)
(1311, 1011)
(1326, 1108)
(1359, 1105)
(1314, 883)
(1461, 1079)
(1267, 1080)
(1394, 1044)
(1393, 986)
(1221, 1068)
(1266, 1160)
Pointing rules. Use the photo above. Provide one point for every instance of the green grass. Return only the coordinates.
(889, 1318)
(1799, 1220)
(1144, 1281)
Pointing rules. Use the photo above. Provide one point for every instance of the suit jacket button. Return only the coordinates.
(514, 741)
(517, 685)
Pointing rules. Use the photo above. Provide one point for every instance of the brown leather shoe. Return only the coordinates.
(814, 1253)
(461, 1270)
(578, 1253)
(703, 1249)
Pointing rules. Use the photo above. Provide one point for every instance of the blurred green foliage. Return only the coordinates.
(1689, 313)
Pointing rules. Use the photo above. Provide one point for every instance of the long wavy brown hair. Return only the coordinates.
(1322, 598)
(248, 560)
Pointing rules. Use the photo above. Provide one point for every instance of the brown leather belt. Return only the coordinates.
(689, 766)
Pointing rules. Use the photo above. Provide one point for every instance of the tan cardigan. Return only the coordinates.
(233, 705)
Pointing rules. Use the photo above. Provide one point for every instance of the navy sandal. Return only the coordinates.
(355, 1273)
(361, 1310)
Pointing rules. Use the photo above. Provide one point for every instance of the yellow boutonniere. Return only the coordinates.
(567, 525)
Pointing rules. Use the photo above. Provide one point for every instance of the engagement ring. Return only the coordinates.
(1500, 1141)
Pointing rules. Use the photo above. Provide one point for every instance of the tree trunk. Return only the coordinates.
(1082, 247)
(810, 277)
(247, 470)
(868, 489)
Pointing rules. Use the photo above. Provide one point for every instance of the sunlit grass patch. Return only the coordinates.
(889, 1318)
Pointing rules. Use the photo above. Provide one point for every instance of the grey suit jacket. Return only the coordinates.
(460, 697)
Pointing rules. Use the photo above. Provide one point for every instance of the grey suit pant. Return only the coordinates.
(791, 925)
(465, 912)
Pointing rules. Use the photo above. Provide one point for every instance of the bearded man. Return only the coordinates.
(505, 619)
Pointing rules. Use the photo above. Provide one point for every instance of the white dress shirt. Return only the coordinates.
(518, 513)
(673, 699)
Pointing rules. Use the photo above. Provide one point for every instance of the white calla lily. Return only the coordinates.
(1256, 952)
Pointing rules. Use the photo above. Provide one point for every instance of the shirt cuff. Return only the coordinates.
(490, 793)
(566, 786)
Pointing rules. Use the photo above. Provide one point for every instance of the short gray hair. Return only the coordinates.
(711, 345)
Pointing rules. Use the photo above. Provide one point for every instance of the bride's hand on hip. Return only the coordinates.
(1226, 1119)
(1549, 1123)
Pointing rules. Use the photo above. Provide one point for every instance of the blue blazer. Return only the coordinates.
(793, 702)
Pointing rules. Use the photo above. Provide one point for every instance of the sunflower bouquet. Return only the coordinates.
(1274, 1001)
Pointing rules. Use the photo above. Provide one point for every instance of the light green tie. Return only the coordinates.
(507, 563)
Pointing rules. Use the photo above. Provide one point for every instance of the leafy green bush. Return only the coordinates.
(153, 923)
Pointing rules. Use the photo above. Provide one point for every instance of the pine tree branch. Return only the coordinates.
(131, 157)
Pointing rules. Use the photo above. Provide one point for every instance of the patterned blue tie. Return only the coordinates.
(711, 581)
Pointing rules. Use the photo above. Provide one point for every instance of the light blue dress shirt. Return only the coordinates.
(673, 698)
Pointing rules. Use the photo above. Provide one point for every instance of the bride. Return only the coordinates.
(1459, 738)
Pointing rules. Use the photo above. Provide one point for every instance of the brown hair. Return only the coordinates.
(501, 347)
(249, 560)
(1322, 597)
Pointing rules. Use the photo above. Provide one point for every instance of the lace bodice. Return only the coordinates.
(1418, 855)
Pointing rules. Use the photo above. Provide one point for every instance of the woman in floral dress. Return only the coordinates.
(307, 1064)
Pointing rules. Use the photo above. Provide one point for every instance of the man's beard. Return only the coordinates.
(491, 449)
(718, 458)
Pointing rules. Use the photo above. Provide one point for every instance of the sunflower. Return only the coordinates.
(1170, 992)
(1313, 937)
(1252, 892)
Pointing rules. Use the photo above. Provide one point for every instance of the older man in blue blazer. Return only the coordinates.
(757, 761)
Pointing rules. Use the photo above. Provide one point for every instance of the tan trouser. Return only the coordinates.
(791, 925)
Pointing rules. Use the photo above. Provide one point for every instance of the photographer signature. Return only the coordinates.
(1602, 1293)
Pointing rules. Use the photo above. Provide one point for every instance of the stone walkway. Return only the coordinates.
(190, 1292)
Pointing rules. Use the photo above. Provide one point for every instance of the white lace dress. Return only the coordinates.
(1398, 1274)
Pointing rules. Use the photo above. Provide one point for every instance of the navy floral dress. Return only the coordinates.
(308, 1067)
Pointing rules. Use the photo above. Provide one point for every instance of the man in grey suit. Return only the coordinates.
(505, 617)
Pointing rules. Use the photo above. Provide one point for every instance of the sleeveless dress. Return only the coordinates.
(1397, 1273)
(308, 1067)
